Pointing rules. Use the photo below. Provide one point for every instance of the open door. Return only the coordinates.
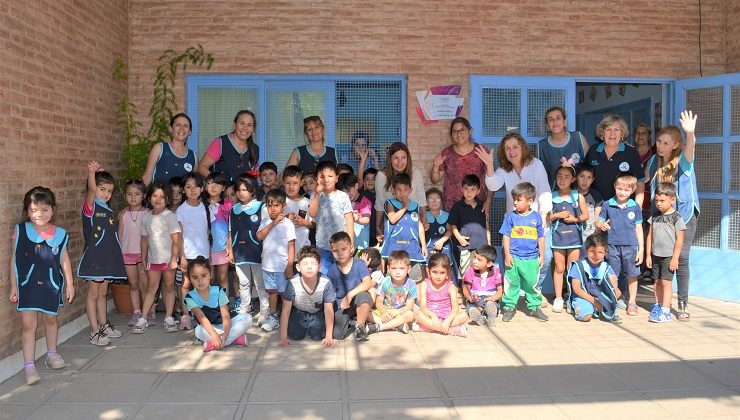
(715, 260)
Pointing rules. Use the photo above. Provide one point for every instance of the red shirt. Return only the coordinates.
(455, 168)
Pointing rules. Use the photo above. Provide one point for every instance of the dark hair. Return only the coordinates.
(324, 165)
(249, 181)
(268, 166)
(275, 195)
(346, 181)
(488, 252)
(254, 153)
(291, 171)
(433, 190)
(439, 259)
(596, 239)
(104, 177)
(399, 255)
(216, 178)
(338, 237)
(665, 188)
(555, 108)
(373, 257)
(369, 171)
(585, 167)
(360, 134)
(460, 120)
(345, 167)
(159, 185)
(569, 168)
(471, 180)
(524, 189)
(310, 174)
(38, 195)
(136, 183)
(196, 177)
(390, 173)
(308, 251)
(401, 179)
(175, 181)
(198, 261)
(180, 115)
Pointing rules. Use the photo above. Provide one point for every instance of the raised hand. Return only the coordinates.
(439, 160)
(688, 121)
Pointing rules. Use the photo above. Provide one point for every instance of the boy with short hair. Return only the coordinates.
(403, 227)
(361, 209)
(468, 223)
(278, 252)
(396, 296)
(483, 286)
(308, 302)
(524, 252)
(268, 179)
(664, 243)
(593, 284)
(296, 208)
(351, 280)
(332, 211)
(621, 218)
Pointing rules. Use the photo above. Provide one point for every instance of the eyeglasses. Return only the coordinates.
(639, 133)
(458, 132)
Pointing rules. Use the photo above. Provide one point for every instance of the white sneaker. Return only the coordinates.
(557, 305)
(262, 317)
(270, 323)
(170, 325)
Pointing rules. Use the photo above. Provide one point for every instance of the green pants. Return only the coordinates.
(522, 275)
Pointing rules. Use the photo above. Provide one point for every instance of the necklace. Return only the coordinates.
(131, 215)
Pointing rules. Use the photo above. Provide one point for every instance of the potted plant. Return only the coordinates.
(138, 145)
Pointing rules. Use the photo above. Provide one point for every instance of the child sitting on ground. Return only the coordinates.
(308, 302)
(593, 284)
(351, 281)
(438, 309)
(483, 286)
(210, 307)
(394, 306)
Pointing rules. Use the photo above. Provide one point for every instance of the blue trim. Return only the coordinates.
(100, 239)
(262, 83)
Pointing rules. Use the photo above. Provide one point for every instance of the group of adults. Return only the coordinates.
(236, 152)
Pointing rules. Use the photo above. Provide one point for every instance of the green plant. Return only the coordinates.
(164, 104)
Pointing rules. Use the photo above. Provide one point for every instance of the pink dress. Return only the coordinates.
(438, 301)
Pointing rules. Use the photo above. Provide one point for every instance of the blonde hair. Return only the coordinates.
(609, 120)
(667, 167)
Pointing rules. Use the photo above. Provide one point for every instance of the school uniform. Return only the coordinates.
(566, 235)
(38, 269)
(211, 309)
(102, 258)
(244, 222)
(595, 281)
(622, 239)
(170, 165)
(625, 159)
(404, 234)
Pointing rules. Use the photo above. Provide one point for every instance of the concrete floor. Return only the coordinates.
(523, 369)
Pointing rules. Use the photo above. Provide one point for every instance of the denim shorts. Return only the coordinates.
(274, 281)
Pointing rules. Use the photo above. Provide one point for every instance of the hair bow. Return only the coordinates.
(567, 162)
(253, 173)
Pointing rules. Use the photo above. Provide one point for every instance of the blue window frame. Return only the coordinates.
(375, 105)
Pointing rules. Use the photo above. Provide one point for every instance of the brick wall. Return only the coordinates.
(57, 105)
(433, 42)
(732, 35)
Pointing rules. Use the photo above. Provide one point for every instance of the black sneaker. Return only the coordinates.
(537, 313)
(508, 314)
(361, 333)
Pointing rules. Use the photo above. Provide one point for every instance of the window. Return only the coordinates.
(375, 105)
(499, 104)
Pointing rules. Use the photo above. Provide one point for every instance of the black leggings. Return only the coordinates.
(684, 273)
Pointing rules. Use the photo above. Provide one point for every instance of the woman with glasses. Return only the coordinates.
(308, 156)
(456, 161)
(233, 153)
(171, 159)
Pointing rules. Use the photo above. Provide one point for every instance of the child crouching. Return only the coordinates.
(593, 284)
(210, 307)
(308, 302)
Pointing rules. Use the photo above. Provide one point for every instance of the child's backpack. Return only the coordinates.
(597, 285)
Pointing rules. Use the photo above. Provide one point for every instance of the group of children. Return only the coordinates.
(309, 244)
